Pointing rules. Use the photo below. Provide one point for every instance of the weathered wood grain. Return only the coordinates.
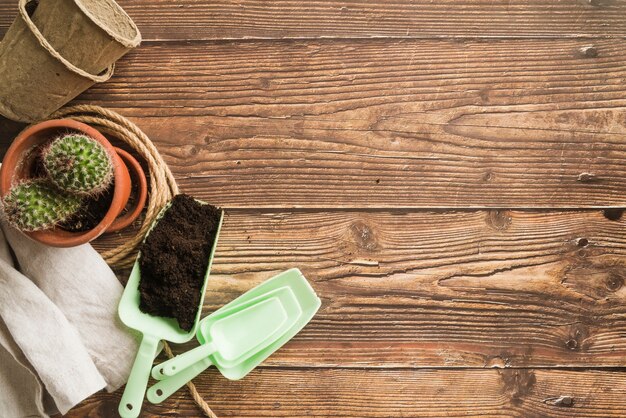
(383, 124)
(386, 393)
(323, 149)
(450, 289)
(227, 19)
(369, 124)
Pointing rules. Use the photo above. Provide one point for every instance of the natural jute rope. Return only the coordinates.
(192, 389)
(162, 188)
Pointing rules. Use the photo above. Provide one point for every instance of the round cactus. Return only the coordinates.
(34, 205)
(79, 164)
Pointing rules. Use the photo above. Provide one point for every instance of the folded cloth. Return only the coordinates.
(86, 290)
(22, 392)
(58, 327)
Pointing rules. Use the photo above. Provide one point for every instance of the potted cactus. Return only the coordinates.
(35, 205)
(75, 163)
(64, 184)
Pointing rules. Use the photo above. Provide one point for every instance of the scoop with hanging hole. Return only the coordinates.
(154, 329)
(239, 336)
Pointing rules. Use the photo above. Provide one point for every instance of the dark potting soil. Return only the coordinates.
(174, 259)
(95, 208)
(38, 169)
(91, 212)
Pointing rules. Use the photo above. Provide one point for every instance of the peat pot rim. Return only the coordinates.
(97, 78)
(125, 32)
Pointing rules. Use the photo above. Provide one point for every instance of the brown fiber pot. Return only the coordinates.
(91, 34)
(35, 79)
(18, 164)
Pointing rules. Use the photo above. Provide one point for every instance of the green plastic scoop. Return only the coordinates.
(154, 329)
(235, 334)
(242, 334)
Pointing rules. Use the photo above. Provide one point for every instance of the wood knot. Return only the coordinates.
(363, 236)
(561, 401)
(265, 83)
(497, 362)
(594, 280)
(499, 220)
(577, 337)
(488, 176)
(614, 282)
(582, 253)
(517, 383)
(192, 151)
(613, 214)
(587, 177)
(589, 51)
(484, 95)
(582, 242)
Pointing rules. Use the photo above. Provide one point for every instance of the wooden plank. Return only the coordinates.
(228, 19)
(381, 124)
(450, 289)
(386, 393)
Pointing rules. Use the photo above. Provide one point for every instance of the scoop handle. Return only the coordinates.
(130, 405)
(182, 361)
(166, 387)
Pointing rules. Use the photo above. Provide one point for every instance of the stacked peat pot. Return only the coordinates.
(56, 49)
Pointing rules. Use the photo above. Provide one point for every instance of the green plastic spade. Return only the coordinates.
(154, 329)
(238, 332)
(242, 334)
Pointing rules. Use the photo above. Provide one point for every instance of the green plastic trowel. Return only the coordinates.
(154, 329)
(239, 336)
(235, 333)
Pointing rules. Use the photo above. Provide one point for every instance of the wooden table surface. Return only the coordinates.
(449, 175)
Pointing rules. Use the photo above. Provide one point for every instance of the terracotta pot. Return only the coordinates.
(138, 179)
(18, 164)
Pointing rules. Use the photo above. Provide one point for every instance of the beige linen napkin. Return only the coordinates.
(58, 309)
(22, 393)
(86, 290)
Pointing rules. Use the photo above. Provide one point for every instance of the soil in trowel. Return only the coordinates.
(174, 259)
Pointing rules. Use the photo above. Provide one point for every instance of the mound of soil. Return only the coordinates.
(174, 259)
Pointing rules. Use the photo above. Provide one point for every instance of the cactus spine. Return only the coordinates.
(78, 164)
(34, 205)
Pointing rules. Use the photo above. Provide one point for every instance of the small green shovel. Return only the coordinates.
(242, 334)
(154, 329)
(237, 333)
